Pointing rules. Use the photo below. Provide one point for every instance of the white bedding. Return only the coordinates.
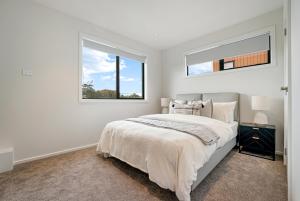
(171, 158)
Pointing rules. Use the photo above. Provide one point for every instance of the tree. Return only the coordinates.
(88, 92)
(134, 95)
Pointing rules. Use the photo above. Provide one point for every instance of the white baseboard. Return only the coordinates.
(25, 160)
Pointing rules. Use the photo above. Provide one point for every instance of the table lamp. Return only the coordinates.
(259, 105)
(165, 105)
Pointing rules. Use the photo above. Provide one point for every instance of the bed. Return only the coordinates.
(174, 160)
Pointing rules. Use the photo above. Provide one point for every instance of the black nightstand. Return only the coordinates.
(257, 140)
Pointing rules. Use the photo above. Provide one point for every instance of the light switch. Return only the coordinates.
(26, 72)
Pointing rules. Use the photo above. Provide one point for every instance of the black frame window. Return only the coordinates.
(244, 53)
(109, 73)
(221, 64)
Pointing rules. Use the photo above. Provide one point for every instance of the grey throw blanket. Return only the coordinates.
(201, 131)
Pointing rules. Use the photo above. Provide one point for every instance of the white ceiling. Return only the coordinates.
(163, 23)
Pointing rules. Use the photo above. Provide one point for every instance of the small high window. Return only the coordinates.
(244, 53)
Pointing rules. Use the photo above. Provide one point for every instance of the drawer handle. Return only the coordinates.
(255, 138)
(255, 128)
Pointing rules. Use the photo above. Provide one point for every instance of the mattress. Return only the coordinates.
(234, 126)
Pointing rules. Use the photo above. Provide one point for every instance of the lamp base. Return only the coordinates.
(261, 118)
(165, 110)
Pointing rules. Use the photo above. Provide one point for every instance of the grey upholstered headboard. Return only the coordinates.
(216, 97)
(189, 97)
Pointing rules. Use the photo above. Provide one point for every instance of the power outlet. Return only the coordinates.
(26, 72)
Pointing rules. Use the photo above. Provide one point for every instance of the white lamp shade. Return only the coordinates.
(260, 103)
(164, 102)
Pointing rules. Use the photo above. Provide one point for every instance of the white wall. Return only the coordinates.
(265, 81)
(41, 114)
(294, 148)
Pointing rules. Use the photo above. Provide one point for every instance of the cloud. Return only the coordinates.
(198, 69)
(98, 62)
(122, 64)
(126, 79)
(106, 77)
(113, 78)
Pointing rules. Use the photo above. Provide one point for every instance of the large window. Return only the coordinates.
(244, 53)
(110, 73)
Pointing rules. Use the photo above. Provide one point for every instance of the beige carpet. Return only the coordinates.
(84, 176)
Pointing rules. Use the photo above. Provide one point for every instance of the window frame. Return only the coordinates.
(82, 37)
(118, 82)
(271, 30)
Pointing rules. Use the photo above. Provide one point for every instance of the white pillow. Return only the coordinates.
(224, 111)
(207, 108)
(183, 109)
(202, 108)
(196, 105)
(172, 104)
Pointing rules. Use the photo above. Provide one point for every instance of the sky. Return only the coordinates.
(199, 69)
(100, 68)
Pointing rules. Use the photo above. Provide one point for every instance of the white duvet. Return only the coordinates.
(171, 158)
